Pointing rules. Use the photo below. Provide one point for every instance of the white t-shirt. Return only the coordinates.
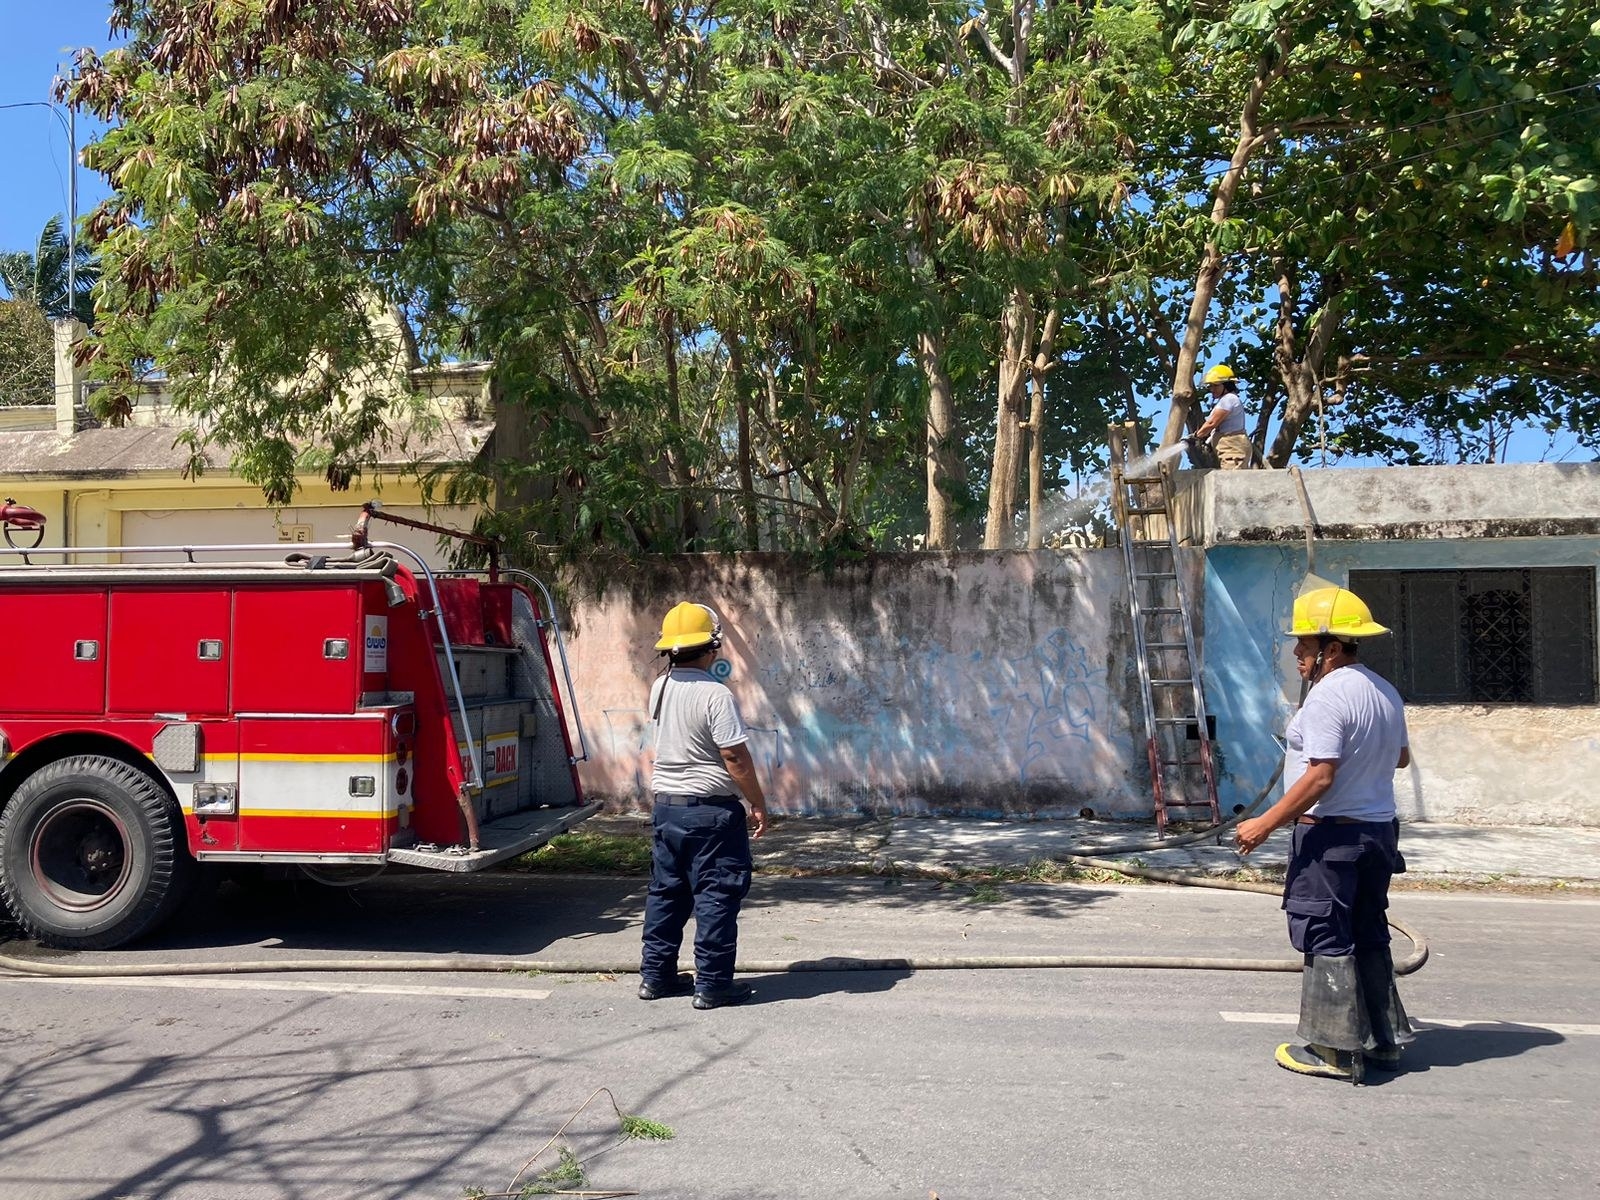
(1355, 718)
(1233, 414)
(698, 721)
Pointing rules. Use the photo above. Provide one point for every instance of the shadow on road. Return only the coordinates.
(1475, 1043)
(809, 985)
(514, 914)
(497, 914)
(1440, 1048)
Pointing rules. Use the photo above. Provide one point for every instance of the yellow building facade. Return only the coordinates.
(126, 486)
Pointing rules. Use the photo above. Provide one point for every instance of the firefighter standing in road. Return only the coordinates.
(700, 856)
(1344, 746)
(1234, 449)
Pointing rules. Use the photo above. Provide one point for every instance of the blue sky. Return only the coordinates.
(37, 38)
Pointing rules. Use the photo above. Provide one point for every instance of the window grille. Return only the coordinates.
(1487, 636)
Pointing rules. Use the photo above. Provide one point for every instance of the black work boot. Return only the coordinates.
(657, 989)
(721, 997)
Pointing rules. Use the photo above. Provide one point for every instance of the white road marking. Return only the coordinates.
(1489, 1026)
(225, 984)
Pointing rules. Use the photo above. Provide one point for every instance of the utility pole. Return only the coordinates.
(72, 210)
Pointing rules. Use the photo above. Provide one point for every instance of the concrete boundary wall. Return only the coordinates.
(993, 684)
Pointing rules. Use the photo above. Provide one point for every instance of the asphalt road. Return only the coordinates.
(347, 1086)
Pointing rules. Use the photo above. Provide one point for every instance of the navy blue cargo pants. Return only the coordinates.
(700, 863)
(1336, 893)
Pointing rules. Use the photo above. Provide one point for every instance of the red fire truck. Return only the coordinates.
(169, 711)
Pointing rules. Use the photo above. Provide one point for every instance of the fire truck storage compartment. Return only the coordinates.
(299, 647)
(57, 644)
(509, 691)
(168, 650)
(329, 783)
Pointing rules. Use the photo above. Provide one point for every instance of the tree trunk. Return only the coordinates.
(747, 481)
(1016, 342)
(1269, 68)
(1300, 368)
(1043, 361)
(682, 479)
(944, 464)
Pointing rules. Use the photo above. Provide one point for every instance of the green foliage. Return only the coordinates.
(27, 354)
(41, 278)
(567, 1175)
(727, 257)
(646, 1130)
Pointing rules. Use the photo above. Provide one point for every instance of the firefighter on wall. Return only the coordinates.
(1344, 746)
(1235, 451)
(700, 855)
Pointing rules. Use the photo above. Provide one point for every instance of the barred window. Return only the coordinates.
(1489, 636)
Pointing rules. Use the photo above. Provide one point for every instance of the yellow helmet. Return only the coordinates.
(1333, 611)
(1221, 373)
(689, 625)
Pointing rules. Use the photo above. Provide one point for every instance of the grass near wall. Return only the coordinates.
(584, 852)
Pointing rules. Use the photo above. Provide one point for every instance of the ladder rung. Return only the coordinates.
(1166, 645)
(1148, 512)
(1175, 720)
(1141, 479)
(1160, 608)
(1155, 574)
(1173, 682)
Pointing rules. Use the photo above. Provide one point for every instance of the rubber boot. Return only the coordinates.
(1391, 1028)
(1333, 1016)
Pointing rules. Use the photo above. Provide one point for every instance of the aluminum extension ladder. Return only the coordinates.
(1179, 733)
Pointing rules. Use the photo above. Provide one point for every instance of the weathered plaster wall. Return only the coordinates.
(1510, 500)
(981, 684)
(1500, 764)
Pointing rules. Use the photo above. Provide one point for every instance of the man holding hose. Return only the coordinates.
(1344, 746)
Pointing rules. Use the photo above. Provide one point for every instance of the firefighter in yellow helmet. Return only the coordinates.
(700, 854)
(1343, 748)
(1234, 449)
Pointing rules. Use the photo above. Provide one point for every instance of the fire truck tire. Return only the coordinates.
(92, 853)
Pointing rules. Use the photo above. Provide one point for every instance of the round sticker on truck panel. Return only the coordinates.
(375, 655)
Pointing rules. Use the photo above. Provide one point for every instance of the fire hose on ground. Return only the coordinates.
(476, 963)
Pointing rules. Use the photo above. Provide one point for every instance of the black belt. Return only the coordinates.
(673, 800)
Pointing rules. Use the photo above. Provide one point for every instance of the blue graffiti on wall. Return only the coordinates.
(930, 704)
(1058, 693)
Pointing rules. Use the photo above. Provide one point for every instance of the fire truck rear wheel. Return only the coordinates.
(92, 853)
